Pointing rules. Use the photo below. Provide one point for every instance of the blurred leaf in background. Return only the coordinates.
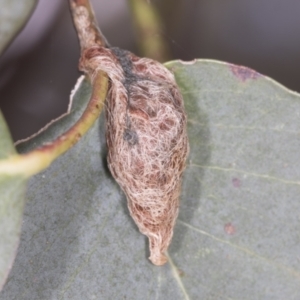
(12, 200)
(13, 15)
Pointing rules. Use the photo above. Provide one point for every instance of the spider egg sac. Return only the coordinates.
(146, 134)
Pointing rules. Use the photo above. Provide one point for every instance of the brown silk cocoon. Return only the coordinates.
(146, 138)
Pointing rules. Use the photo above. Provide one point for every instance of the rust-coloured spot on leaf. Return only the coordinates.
(243, 73)
(180, 273)
(236, 182)
(229, 229)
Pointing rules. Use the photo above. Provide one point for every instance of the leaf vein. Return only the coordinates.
(242, 249)
(177, 277)
(263, 176)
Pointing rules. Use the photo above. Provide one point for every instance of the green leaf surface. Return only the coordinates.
(13, 15)
(238, 231)
(12, 196)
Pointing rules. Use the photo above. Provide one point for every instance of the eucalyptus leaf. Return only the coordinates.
(238, 231)
(12, 198)
(13, 15)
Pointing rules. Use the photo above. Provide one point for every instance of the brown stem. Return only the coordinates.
(86, 24)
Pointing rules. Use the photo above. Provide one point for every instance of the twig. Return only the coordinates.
(85, 22)
(148, 26)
